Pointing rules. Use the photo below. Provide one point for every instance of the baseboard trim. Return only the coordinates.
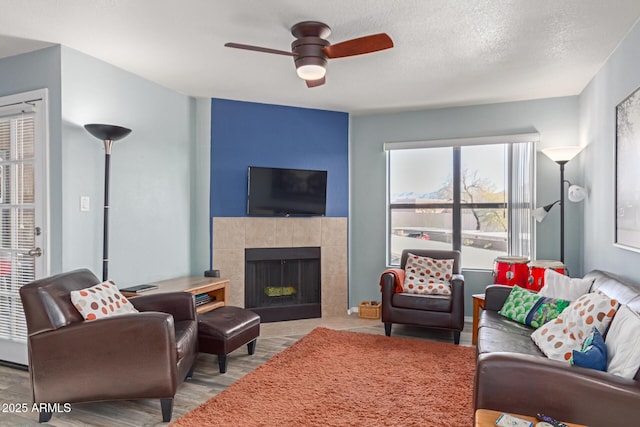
(354, 310)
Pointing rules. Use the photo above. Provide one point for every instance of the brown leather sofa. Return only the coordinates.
(432, 311)
(132, 356)
(513, 375)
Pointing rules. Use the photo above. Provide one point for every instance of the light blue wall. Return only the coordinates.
(151, 172)
(200, 189)
(40, 70)
(617, 79)
(555, 119)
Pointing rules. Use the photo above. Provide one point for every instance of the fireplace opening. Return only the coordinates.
(283, 283)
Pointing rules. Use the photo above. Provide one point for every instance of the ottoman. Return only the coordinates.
(225, 329)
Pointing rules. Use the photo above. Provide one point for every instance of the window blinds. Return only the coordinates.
(521, 199)
(17, 218)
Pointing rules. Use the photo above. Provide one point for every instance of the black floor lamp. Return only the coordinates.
(561, 155)
(107, 134)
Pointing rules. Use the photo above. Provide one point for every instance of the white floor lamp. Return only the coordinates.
(107, 134)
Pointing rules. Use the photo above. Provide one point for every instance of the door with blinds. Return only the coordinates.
(22, 213)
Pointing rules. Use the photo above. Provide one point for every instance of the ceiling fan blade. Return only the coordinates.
(359, 46)
(316, 83)
(259, 49)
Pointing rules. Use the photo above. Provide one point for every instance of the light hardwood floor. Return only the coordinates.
(206, 382)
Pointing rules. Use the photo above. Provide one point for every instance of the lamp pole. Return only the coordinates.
(105, 222)
(562, 163)
(108, 134)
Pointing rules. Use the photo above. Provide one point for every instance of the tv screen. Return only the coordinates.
(286, 192)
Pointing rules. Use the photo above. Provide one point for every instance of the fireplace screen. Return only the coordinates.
(283, 283)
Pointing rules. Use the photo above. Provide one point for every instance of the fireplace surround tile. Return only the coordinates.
(260, 232)
(334, 295)
(307, 232)
(334, 231)
(229, 233)
(230, 262)
(284, 233)
(334, 260)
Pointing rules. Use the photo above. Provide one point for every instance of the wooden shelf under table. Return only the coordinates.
(216, 287)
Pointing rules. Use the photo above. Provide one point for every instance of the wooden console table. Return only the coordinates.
(215, 287)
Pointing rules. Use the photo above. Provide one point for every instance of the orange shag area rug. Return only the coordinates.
(338, 378)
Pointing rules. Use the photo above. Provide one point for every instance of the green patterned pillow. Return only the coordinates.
(544, 310)
(518, 304)
(531, 309)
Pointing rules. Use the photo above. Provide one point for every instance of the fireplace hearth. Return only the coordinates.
(283, 283)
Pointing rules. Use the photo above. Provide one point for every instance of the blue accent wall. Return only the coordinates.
(250, 134)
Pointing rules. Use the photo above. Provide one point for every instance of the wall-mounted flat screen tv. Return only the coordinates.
(286, 192)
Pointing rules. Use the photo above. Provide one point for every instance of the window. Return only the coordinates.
(476, 198)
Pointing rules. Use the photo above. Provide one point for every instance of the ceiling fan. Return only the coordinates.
(310, 49)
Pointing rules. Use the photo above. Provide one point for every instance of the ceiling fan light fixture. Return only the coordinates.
(310, 49)
(311, 72)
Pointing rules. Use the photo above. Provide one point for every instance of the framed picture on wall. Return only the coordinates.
(627, 232)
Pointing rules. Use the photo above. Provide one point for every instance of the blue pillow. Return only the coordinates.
(593, 353)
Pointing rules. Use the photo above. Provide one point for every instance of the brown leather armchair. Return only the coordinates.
(142, 355)
(432, 311)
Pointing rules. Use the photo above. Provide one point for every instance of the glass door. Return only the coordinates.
(22, 245)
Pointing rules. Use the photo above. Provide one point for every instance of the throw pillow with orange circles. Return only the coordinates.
(427, 276)
(101, 300)
(558, 338)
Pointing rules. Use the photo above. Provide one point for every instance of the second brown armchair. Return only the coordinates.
(432, 311)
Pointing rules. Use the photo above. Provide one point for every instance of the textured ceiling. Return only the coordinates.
(447, 53)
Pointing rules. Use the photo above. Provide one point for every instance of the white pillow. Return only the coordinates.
(101, 300)
(559, 286)
(559, 337)
(623, 343)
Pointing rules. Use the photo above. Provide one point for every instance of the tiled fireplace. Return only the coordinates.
(232, 235)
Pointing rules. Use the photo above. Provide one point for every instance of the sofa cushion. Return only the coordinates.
(499, 334)
(616, 287)
(440, 303)
(493, 320)
(623, 343)
(101, 300)
(425, 275)
(557, 339)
